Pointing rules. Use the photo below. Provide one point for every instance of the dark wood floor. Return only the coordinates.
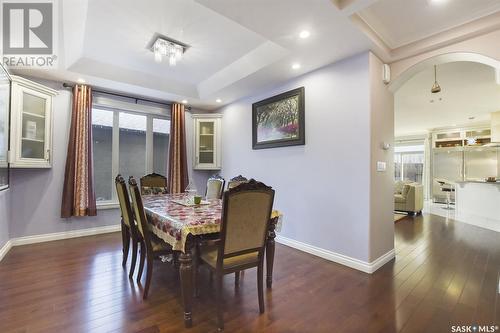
(445, 273)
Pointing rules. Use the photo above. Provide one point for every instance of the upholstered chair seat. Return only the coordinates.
(209, 255)
(151, 246)
(244, 225)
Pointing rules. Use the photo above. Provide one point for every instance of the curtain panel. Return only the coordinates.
(177, 164)
(78, 192)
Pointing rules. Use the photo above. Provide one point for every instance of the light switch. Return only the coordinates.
(381, 166)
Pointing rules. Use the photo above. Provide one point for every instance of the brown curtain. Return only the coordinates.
(177, 163)
(78, 192)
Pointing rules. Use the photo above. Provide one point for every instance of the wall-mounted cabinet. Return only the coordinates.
(31, 124)
(207, 151)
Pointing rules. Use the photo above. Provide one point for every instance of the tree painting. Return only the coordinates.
(278, 120)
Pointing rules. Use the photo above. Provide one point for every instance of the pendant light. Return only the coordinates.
(435, 87)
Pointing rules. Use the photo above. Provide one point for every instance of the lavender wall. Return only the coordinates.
(36, 193)
(323, 187)
(4, 216)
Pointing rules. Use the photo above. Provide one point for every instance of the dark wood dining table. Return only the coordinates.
(182, 226)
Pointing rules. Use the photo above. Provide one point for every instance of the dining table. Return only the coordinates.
(182, 224)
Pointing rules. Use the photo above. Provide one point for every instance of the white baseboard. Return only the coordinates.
(5, 249)
(57, 236)
(367, 267)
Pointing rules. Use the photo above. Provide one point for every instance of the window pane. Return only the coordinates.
(161, 133)
(132, 145)
(397, 166)
(413, 166)
(102, 131)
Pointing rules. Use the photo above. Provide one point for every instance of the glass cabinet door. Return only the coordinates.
(33, 131)
(206, 142)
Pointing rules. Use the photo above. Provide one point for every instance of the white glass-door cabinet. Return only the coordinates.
(31, 124)
(207, 152)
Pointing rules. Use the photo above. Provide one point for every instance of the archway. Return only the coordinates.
(438, 60)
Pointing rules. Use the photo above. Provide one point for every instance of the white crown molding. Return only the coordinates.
(56, 236)
(475, 28)
(366, 267)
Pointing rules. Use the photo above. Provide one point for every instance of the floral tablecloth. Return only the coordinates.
(173, 222)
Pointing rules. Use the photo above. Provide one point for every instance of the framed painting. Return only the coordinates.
(278, 121)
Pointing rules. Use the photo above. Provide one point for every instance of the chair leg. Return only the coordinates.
(141, 262)
(218, 300)
(237, 278)
(134, 258)
(126, 243)
(260, 285)
(149, 273)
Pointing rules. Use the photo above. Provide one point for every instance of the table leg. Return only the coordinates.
(186, 274)
(270, 245)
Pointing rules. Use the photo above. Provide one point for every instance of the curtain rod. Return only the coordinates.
(66, 85)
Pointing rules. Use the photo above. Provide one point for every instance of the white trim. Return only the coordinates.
(64, 235)
(56, 236)
(367, 267)
(5, 249)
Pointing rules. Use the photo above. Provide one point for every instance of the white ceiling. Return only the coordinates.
(400, 22)
(468, 90)
(238, 47)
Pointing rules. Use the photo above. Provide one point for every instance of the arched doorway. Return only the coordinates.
(413, 70)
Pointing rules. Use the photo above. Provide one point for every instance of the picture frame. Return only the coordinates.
(279, 121)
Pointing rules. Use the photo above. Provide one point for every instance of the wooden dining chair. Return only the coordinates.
(153, 184)
(245, 221)
(130, 232)
(151, 246)
(215, 187)
(235, 181)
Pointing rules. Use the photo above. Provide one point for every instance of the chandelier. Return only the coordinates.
(170, 49)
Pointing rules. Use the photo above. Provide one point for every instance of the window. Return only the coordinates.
(409, 163)
(129, 143)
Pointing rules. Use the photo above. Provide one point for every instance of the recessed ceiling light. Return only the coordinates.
(218, 100)
(304, 34)
(80, 80)
(438, 2)
(184, 101)
(295, 66)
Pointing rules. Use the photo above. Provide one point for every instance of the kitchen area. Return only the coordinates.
(465, 167)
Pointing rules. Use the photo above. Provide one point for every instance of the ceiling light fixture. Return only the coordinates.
(435, 87)
(218, 100)
(438, 2)
(169, 48)
(304, 34)
(80, 80)
(296, 66)
(184, 101)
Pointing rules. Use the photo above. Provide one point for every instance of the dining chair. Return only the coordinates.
(151, 246)
(130, 232)
(153, 183)
(235, 181)
(244, 224)
(215, 187)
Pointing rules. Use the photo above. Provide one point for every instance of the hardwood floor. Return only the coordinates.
(445, 273)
